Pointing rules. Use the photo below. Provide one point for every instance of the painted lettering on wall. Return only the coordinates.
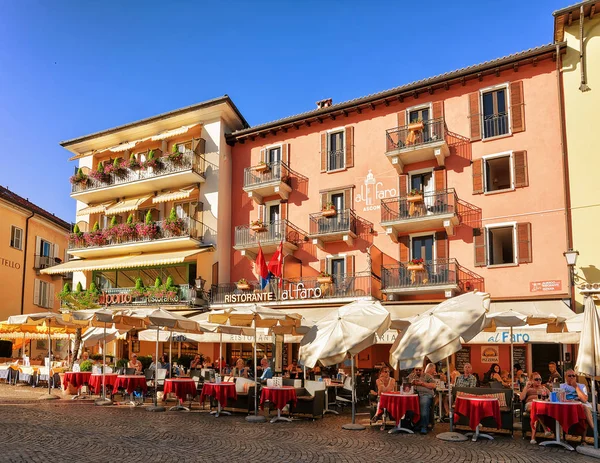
(10, 263)
(371, 192)
(504, 336)
(548, 285)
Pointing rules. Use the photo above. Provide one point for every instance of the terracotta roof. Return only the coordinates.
(19, 201)
(570, 14)
(394, 92)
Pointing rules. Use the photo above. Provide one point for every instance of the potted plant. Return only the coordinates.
(99, 173)
(416, 125)
(79, 178)
(243, 284)
(152, 161)
(324, 278)
(147, 230)
(257, 226)
(416, 265)
(414, 196)
(174, 225)
(132, 163)
(175, 155)
(329, 210)
(262, 167)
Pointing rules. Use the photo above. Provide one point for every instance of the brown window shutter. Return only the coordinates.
(403, 184)
(348, 198)
(441, 245)
(477, 167)
(215, 274)
(324, 152)
(480, 247)
(475, 116)
(517, 107)
(401, 118)
(261, 212)
(323, 264)
(520, 166)
(524, 242)
(198, 145)
(404, 242)
(283, 210)
(284, 153)
(439, 176)
(438, 109)
(350, 265)
(349, 146)
(263, 155)
(324, 200)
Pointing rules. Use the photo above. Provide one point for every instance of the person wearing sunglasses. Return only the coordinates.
(577, 391)
(425, 387)
(533, 390)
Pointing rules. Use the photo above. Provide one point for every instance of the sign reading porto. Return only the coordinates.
(128, 298)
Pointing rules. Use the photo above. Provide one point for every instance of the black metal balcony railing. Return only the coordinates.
(305, 288)
(415, 134)
(185, 294)
(41, 262)
(495, 125)
(272, 232)
(141, 232)
(275, 171)
(188, 161)
(342, 222)
(437, 272)
(411, 207)
(336, 159)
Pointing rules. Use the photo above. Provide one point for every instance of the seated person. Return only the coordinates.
(505, 379)
(532, 390)
(385, 383)
(196, 364)
(577, 391)
(267, 372)
(153, 364)
(164, 363)
(240, 370)
(466, 379)
(425, 386)
(493, 374)
(518, 374)
(136, 364)
(293, 368)
(207, 363)
(84, 356)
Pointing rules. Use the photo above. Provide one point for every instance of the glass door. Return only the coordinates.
(422, 114)
(422, 248)
(424, 183)
(338, 270)
(272, 220)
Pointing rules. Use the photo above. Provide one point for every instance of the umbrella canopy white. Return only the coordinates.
(94, 335)
(588, 358)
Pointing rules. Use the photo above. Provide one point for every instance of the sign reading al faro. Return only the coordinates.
(289, 292)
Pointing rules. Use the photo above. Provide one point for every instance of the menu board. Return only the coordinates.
(463, 356)
(520, 356)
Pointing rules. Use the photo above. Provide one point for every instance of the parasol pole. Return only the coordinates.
(221, 353)
(49, 357)
(353, 426)
(256, 418)
(170, 352)
(156, 407)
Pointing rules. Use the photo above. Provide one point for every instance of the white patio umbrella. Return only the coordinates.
(46, 321)
(347, 330)
(588, 358)
(254, 316)
(437, 334)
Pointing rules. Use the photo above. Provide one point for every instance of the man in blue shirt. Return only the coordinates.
(573, 389)
(267, 372)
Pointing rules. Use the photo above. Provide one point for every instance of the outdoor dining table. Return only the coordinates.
(476, 409)
(564, 414)
(398, 404)
(8, 372)
(279, 396)
(96, 381)
(76, 379)
(221, 392)
(130, 383)
(181, 387)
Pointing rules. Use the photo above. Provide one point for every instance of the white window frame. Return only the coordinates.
(515, 247)
(13, 229)
(416, 108)
(270, 147)
(505, 86)
(266, 208)
(512, 171)
(329, 265)
(329, 133)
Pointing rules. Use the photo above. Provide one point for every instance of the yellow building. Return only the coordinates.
(31, 239)
(581, 96)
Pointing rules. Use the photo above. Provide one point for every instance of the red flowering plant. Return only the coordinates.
(79, 177)
(76, 239)
(152, 161)
(416, 261)
(148, 229)
(96, 237)
(99, 173)
(174, 225)
(132, 163)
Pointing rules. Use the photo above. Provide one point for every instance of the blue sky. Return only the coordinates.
(69, 68)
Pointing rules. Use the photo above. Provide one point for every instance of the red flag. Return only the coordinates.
(276, 262)
(261, 268)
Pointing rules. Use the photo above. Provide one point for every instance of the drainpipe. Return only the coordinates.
(565, 166)
(583, 87)
(25, 263)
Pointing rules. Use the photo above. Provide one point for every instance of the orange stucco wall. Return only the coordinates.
(540, 203)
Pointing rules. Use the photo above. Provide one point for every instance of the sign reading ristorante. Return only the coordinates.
(288, 292)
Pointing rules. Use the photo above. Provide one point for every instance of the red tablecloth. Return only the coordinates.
(398, 404)
(76, 378)
(278, 396)
(181, 387)
(566, 413)
(220, 391)
(95, 381)
(477, 409)
(130, 383)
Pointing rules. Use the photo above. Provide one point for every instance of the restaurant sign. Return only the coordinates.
(128, 298)
(547, 285)
(489, 354)
(289, 291)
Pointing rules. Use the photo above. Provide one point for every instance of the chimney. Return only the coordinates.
(324, 103)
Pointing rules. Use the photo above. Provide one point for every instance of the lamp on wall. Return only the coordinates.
(571, 257)
(200, 282)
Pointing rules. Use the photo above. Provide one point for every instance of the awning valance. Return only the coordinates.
(172, 133)
(136, 261)
(184, 193)
(126, 205)
(97, 209)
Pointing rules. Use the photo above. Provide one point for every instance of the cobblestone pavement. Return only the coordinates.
(58, 431)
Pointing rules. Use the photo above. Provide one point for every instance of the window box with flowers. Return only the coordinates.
(132, 163)
(324, 278)
(152, 161)
(174, 226)
(262, 167)
(175, 156)
(243, 284)
(328, 210)
(258, 226)
(414, 196)
(79, 178)
(416, 265)
(99, 173)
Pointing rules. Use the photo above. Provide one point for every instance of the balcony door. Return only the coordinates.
(424, 182)
(273, 220)
(422, 247)
(338, 270)
(421, 114)
(273, 155)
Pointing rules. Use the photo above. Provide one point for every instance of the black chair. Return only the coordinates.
(130, 371)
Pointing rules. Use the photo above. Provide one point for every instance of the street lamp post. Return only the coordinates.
(571, 258)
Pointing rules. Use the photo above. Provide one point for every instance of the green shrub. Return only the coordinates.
(86, 365)
(157, 282)
(130, 219)
(185, 360)
(117, 163)
(94, 289)
(96, 227)
(173, 215)
(76, 230)
(122, 363)
(79, 288)
(146, 361)
(169, 284)
(138, 284)
(149, 218)
(113, 221)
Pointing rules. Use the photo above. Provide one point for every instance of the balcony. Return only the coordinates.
(435, 276)
(341, 288)
(421, 211)
(188, 170)
(267, 179)
(269, 235)
(416, 142)
(127, 297)
(331, 225)
(122, 239)
(41, 262)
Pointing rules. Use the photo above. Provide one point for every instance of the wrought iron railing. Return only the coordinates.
(165, 166)
(495, 125)
(151, 295)
(418, 205)
(270, 232)
(266, 173)
(343, 221)
(438, 272)
(415, 134)
(336, 159)
(142, 232)
(305, 288)
(40, 262)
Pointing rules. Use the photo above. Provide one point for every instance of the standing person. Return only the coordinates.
(425, 385)
(534, 390)
(554, 374)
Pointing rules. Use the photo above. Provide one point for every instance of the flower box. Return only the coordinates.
(243, 286)
(324, 280)
(414, 126)
(416, 198)
(263, 167)
(328, 212)
(258, 227)
(416, 267)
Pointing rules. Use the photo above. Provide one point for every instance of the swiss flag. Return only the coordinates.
(261, 267)
(276, 263)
